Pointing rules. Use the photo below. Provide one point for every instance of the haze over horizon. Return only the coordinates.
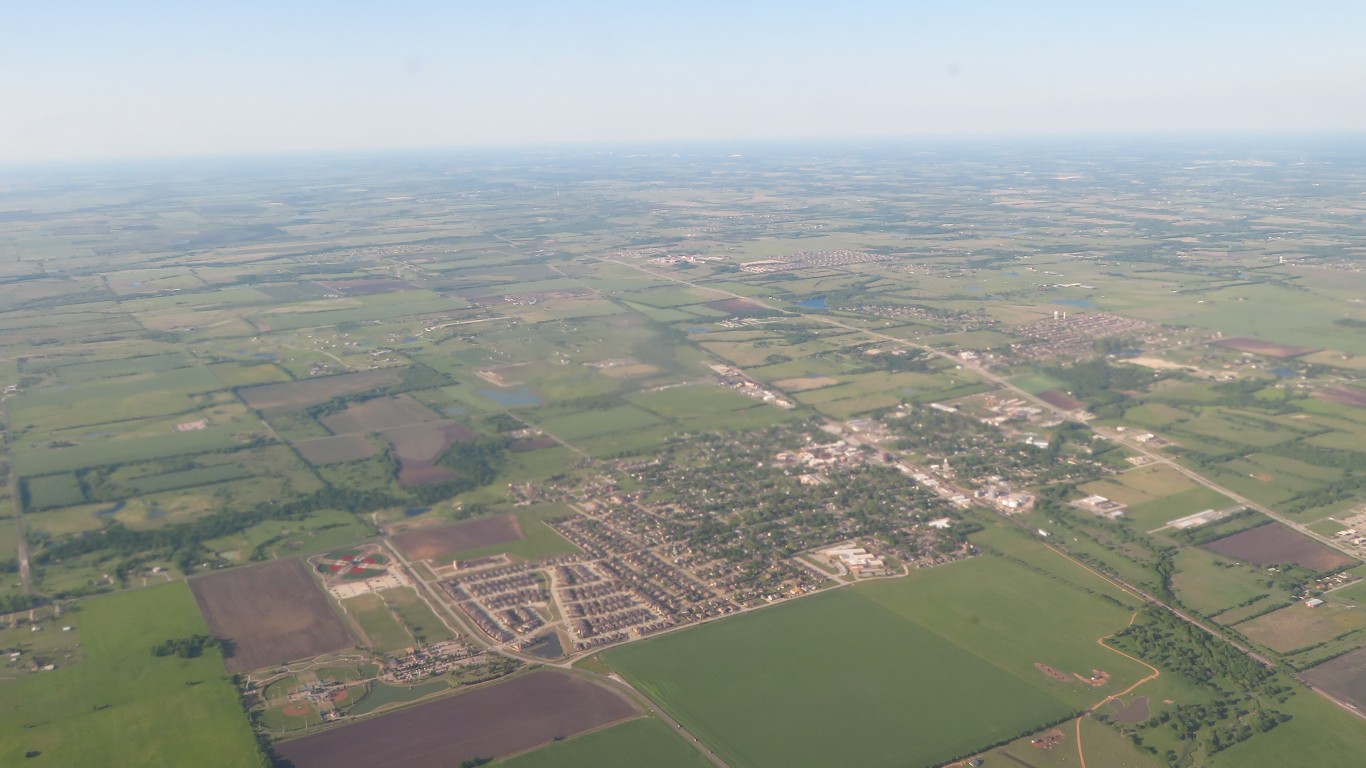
(83, 81)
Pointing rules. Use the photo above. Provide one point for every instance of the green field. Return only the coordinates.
(371, 613)
(891, 673)
(122, 706)
(639, 742)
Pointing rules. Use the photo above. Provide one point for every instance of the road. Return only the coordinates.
(634, 692)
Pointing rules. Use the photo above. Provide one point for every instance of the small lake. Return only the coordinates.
(512, 398)
(1283, 373)
(415, 511)
(549, 648)
(107, 511)
(815, 302)
(1074, 302)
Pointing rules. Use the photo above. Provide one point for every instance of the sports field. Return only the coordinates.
(122, 706)
(892, 673)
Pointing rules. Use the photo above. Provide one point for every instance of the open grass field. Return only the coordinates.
(379, 629)
(1160, 511)
(490, 722)
(417, 616)
(640, 742)
(1299, 626)
(122, 706)
(271, 613)
(379, 414)
(891, 672)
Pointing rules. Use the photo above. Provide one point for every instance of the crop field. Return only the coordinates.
(429, 543)
(1344, 677)
(639, 742)
(379, 414)
(123, 707)
(491, 722)
(271, 613)
(332, 450)
(294, 395)
(577, 426)
(418, 446)
(885, 658)
(1274, 543)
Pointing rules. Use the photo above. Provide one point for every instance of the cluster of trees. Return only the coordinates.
(191, 647)
(1097, 383)
(1241, 685)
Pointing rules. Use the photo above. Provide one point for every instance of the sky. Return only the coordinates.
(130, 79)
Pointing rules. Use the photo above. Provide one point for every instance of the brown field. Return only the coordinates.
(1059, 400)
(1343, 396)
(1274, 543)
(294, 395)
(1343, 677)
(1299, 626)
(366, 287)
(271, 613)
(418, 446)
(490, 722)
(330, 450)
(804, 383)
(1259, 347)
(736, 307)
(379, 414)
(428, 543)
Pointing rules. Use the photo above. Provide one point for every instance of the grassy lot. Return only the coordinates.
(870, 687)
(1212, 589)
(1159, 512)
(1299, 626)
(577, 426)
(639, 742)
(122, 706)
(417, 616)
(379, 626)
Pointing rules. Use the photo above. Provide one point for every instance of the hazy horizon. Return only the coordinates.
(86, 82)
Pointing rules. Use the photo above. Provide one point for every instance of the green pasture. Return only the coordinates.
(122, 706)
(1160, 511)
(892, 657)
(576, 426)
(372, 615)
(639, 742)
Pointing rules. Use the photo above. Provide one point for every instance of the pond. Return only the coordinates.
(815, 302)
(511, 398)
(1075, 302)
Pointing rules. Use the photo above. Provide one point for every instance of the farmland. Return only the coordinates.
(269, 613)
(490, 722)
(867, 661)
(143, 710)
(643, 741)
(873, 395)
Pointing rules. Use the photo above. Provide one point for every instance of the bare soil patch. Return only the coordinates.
(1274, 543)
(1060, 400)
(429, 543)
(367, 287)
(1053, 672)
(1047, 740)
(418, 446)
(804, 383)
(331, 450)
(1343, 677)
(487, 723)
(294, 395)
(1259, 347)
(379, 414)
(1343, 396)
(269, 613)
